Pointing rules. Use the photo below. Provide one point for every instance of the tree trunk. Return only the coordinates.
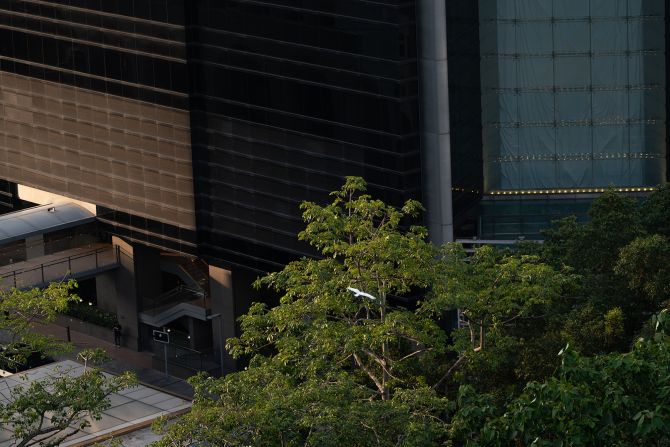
(385, 375)
(481, 335)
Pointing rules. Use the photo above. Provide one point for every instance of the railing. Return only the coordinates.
(185, 357)
(66, 267)
(17, 251)
(471, 244)
(173, 312)
(180, 294)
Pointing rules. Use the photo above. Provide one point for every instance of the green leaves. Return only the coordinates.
(48, 411)
(655, 212)
(644, 263)
(506, 300)
(320, 323)
(20, 310)
(615, 399)
(329, 368)
(52, 409)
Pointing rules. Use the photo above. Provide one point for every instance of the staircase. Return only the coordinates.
(187, 300)
(166, 315)
(190, 270)
(179, 302)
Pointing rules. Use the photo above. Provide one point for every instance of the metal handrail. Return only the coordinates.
(62, 260)
(175, 295)
(183, 356)
(65, 261)
(179, 289)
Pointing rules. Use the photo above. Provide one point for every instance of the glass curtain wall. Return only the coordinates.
(573, 94)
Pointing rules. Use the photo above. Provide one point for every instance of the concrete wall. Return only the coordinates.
(148, 274)
(117, 292)
(77, 325)
(223, 327)
(435, 131)
(35, 246)
(40, 197)
(105, 287)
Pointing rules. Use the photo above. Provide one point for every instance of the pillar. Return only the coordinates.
(435, 129)
(222, 302)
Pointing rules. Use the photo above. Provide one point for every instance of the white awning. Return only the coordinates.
(41, 220)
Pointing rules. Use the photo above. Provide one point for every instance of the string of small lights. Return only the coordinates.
(569, 191)
(574, 156)
(613, 121)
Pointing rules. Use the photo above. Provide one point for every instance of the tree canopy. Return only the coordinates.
(49, 411)
(610, 399)
(21, 310)
(364, 349)
(330, 366)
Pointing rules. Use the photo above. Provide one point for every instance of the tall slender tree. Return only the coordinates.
(347, 357)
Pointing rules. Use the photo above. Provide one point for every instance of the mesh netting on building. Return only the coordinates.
(573, 93)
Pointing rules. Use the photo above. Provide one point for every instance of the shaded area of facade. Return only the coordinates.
(195, 129)
(285, 102)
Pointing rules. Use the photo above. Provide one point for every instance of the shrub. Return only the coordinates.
(91, 314)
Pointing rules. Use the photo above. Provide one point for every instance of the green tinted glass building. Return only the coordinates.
(573, 99)
(573, 94)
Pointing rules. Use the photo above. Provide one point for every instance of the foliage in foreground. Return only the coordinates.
(380, 367)
(21, 310)
(48, 411)
(613, 399)
(91, 314)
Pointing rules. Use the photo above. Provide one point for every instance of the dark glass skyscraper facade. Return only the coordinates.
(133, 49)
(200, 126)
(196, 128)
(466, 119)
(288, 98)
(95, 106)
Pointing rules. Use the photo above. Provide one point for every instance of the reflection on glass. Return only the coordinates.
(573, 93)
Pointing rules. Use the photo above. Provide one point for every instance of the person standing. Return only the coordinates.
(117, 334)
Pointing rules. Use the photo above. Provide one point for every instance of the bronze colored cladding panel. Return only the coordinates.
(116, 152)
